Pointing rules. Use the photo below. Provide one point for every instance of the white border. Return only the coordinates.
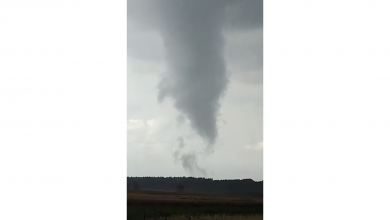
(326, 107)
(63, 109)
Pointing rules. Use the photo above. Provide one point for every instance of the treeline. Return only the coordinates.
(243, 187)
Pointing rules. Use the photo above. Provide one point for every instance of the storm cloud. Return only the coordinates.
(197, 78)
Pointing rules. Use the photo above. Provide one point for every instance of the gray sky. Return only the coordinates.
(195, 88)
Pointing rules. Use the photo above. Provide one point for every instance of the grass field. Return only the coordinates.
(158, 205)
(218, 217)
(165, 197)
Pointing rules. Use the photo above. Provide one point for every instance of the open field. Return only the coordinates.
(186, 198)
(218, 217)
(162, 204)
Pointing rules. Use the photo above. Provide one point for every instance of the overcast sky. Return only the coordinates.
(195, 88)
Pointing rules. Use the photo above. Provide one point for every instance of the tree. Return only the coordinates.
(135, 186)
(180, 188)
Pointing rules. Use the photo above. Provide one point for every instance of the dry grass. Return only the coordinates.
(217, 217)
(178, 206)
(173, 197)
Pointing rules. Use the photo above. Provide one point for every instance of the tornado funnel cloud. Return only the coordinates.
(197, 79)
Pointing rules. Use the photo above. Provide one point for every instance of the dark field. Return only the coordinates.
(160, 204)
